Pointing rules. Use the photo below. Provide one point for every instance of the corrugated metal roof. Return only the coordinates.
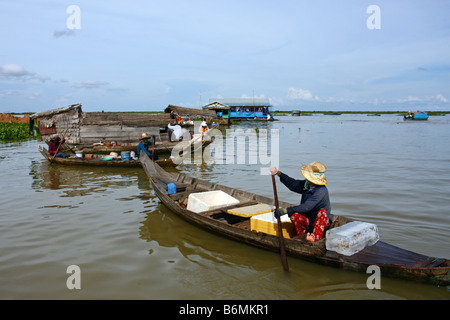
(216, 106)
(246, 102)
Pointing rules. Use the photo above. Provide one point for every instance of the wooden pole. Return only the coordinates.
(280, 229)
(57, 149)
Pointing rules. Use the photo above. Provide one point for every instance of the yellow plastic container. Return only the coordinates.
(268, 224)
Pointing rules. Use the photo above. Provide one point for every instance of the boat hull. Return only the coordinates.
(392, 261)
(99, 162)
(417, 117)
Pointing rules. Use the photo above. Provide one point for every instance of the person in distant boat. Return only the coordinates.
(313, 214)
(410, 115)
(203, 127)
(54, 145)
(143, 145)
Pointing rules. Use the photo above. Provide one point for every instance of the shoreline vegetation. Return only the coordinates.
(13, 131)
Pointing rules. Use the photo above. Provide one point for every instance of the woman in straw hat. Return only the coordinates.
(144, 144)
(312, 215)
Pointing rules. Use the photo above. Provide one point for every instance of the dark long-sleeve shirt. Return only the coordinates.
(312, 200)
(143, 147)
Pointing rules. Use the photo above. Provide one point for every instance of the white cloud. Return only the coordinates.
(90, 84)
(15, 71)
(409, 99)
(300, 94)
(64, 33)
(10, 93)
(119, 89)
(34, 95)
(438, 97)
(261, 96)
(12, 70)
(441, 98)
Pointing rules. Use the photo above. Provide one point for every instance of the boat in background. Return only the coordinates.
(99, 160)
(418, 115)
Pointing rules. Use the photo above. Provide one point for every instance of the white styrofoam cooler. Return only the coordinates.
(209, 200)
(352, 237)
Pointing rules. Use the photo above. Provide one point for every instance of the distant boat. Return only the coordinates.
(332, 113)
(418, 115)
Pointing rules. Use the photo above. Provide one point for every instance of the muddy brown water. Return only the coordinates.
(128, 245)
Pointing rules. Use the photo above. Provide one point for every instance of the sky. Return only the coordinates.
(138, 55)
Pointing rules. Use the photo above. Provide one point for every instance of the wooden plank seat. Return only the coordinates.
(180, 186)
(225, 209)
(251, 210)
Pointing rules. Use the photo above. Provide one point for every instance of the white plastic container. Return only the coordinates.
(351, 237)
(209, 200)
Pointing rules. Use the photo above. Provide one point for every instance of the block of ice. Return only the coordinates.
(351, 237)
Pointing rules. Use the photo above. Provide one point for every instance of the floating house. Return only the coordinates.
(85, 128)
(244, 108)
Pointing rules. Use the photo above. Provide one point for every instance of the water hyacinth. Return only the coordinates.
(14, 131)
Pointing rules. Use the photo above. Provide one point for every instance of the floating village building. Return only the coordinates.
(244, 108)
(85, 128)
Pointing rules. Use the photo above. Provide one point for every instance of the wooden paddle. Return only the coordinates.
(153, 147)
(280, 229)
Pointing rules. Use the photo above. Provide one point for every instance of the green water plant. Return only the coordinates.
(14, 131)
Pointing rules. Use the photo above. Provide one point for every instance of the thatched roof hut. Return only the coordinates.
(191, 113)
(85, 128)
(63, 121)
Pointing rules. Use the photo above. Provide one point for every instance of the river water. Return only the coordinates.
(109, 222)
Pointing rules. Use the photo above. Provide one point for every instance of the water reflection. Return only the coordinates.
(163, 227)
(76, 181)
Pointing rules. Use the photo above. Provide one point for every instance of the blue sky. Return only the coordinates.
(144, 55)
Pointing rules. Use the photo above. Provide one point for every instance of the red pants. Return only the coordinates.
(320, 224)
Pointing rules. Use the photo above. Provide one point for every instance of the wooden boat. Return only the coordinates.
(392, 261)
(99, 160)
(105, 149)
(196, 143)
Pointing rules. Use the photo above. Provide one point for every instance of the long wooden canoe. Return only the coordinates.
(392, 261)
(197, 144)
(97, 161)
(101, 149)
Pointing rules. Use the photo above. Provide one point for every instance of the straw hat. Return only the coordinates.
(315, 173)
(145, 135)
